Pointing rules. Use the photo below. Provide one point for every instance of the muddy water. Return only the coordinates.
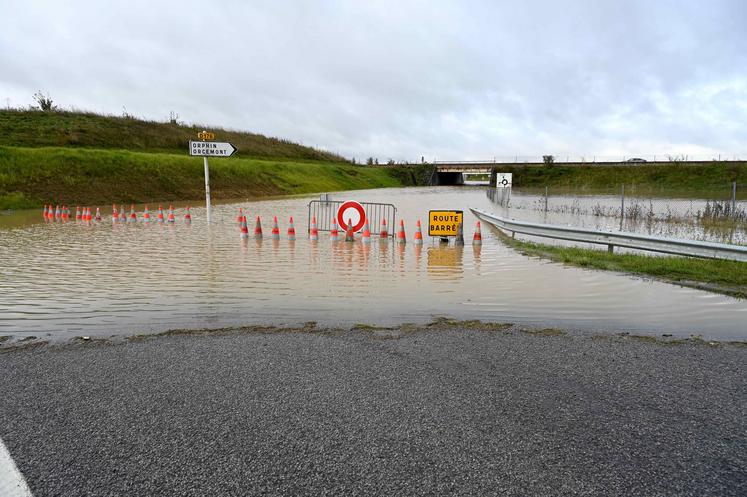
(62, 280)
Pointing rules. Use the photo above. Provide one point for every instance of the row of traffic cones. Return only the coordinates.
(121, 216)
(62, 213)
(334, 233)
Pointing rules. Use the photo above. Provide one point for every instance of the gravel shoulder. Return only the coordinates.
(451, 408)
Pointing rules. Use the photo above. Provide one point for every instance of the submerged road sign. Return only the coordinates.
(351, 211)
(503, 180)
(211, 149)
(444, 223)
(207, 149)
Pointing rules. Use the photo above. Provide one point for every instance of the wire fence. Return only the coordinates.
(719, 216)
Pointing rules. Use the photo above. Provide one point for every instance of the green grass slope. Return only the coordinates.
(30, 177)
(34, 128)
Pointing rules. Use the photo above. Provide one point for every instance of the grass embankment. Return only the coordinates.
(675, 178)
(29, 128)
(727, 277)
(30, 177)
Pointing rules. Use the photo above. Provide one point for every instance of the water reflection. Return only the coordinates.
(113, 277)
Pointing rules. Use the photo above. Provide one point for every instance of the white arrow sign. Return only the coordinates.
(211, 149)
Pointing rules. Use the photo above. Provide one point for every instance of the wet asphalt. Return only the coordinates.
(445, 412)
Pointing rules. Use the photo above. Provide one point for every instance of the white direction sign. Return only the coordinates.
(211, 149)
(503, 180)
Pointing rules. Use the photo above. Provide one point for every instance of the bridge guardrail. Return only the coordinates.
(692, 248)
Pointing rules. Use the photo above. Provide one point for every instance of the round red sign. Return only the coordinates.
(352, 211)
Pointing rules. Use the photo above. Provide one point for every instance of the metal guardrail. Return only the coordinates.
(675, 246)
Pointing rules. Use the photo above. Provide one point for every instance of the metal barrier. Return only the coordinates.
(676, 246)
(326, 210)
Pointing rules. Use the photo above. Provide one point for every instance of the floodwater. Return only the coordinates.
(670, 217)
(59, 280)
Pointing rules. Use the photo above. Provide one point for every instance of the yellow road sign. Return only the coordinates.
(444, 223)
(206, 135)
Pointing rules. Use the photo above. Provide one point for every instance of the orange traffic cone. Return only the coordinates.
(334, 235)
(291, 230)
(146, 214)
(241, 217)
(44, 212)
(171, 218)
(401, 232)
(349, 235)
(313, 232)
(133, 216)
(122, 214)
(384, 232)
(366, 236)
(477, 238)
(275, 232)
(63, 213)
(115, 215)
(77, 213)
(188, 216)
(418, 238)
(258, 229)
(243, 228)
(160, 214)
(98, 214)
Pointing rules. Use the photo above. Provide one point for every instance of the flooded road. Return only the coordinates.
(63, 280)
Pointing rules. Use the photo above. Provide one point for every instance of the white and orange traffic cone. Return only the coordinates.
(133, 216)
(334, 235)
(291, 230)
(418, 238)
(64, 213)
(384, 232)
(241, 216)
(243, 228)
(160, 217)
(188, 216)
(258, 229)
(146, 214)
(401, 238)
(366, 236)
(77, 213)
(349, 235)
(115, 214)
(313, 231)
(98, 214)
(122, 214)
(171, 218)
(275, 232)
(477, 237)
(44, 212)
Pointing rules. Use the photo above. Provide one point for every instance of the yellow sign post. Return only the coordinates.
(444, 223)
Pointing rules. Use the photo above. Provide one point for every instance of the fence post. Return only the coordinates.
(734, 199)
(622, 205)
(545, 200)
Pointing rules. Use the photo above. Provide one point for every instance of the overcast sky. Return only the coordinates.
(401, 79)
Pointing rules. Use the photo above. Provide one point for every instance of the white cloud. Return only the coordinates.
(401, 79)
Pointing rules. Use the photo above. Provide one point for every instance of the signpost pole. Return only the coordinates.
(207, 188)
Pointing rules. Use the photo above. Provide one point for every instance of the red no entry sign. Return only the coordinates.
(351, 211)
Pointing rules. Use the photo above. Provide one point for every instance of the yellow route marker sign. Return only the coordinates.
(444, 223)
(206, 135)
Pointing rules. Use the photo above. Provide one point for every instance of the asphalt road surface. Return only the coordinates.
(439, 412)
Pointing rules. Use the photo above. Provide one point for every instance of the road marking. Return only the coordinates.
(12, 482)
